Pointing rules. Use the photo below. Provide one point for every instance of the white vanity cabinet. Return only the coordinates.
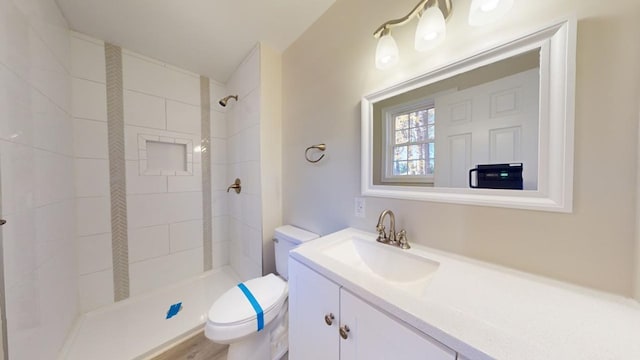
(320, 312)
(311, 299)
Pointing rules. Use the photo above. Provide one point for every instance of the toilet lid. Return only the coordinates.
(234, 307)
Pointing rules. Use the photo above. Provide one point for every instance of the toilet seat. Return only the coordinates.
(232, 316)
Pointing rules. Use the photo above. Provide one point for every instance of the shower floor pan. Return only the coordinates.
(137, 328)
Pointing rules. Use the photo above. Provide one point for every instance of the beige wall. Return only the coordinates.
(331, 66)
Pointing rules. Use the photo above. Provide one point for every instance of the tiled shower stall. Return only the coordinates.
(57, 173)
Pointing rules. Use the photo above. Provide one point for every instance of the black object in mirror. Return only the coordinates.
(497, 176)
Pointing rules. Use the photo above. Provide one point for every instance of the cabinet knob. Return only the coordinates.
(329, 319)
(2, 222)
(344, 331)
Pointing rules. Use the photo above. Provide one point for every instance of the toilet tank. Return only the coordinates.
(285, 239)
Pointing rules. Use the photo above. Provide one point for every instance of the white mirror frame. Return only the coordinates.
(557, 44)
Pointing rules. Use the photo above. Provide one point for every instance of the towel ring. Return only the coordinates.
(321, 147)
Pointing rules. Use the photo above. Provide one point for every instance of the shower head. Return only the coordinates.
(224, 100)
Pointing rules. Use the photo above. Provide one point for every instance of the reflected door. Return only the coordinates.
(493, 123)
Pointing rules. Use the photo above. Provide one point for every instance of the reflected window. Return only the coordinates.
(410, 145)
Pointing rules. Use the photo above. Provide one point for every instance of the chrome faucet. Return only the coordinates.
(391, 238)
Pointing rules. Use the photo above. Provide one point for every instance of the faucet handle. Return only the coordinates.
(403, 243)
(382, 236)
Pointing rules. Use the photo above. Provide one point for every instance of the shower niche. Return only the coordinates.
(165, 156)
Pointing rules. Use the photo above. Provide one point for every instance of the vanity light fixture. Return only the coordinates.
(484, 12)
(431, 30)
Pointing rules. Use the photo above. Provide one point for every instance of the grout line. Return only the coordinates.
(89, 80)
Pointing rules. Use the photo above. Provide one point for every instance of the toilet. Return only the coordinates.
(252, 317)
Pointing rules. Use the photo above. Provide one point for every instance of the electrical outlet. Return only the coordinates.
(360, 207)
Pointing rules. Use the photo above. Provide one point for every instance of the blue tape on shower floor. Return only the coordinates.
(255, 304)
(174, 310)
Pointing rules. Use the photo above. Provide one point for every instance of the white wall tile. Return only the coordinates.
(218, 151)
(184, 206)
(40, 268)
(52, 126)
(186, 263)
(251, 138)
(234, 205)
(155, 79)
(53, 177)
(149, 242)
(219, 177)
(183, 117)
(55, 229)
(158, 272)
(185, 235)
(14, 39)
(219, 202)
(143, 184)
(92, 177)
(247, 76)
(220, 229)
(149, 274)
(58, 308)
(90, 139)
(187, 182)
(19, 246)
(47, 74)
(87, 59)
(45, 18)
(18, 177)
(143, 75)
(147, 210)
(96, 290)
(144, 110)
(252, 244)
(247, 111)
(183, 87)
(234, 148)
(250, 171)
(93, 216)
(233, 126)
(251, 211)
(15, 108)
(89, 99)
(94, 253)
(217, 91)
(218, 125)
(23, 313)
(220, 254)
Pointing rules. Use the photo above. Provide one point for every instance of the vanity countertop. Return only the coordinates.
(486, 311)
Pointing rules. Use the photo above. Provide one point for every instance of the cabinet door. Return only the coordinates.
(312, 298)
(373, 335)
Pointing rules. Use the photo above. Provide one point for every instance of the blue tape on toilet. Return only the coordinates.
(255, 304)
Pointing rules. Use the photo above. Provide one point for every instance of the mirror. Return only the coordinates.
(494, 129)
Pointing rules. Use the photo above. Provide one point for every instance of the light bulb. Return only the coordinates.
(431, 29)
(484, 12)
(386, 52)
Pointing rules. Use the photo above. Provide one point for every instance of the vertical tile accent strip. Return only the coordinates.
(117, 173)
(207, 219)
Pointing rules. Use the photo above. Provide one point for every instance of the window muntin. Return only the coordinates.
(410, 148)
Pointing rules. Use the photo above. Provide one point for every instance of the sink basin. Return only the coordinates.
(396, 267)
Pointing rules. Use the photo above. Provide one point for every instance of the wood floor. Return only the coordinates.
(197, 347)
